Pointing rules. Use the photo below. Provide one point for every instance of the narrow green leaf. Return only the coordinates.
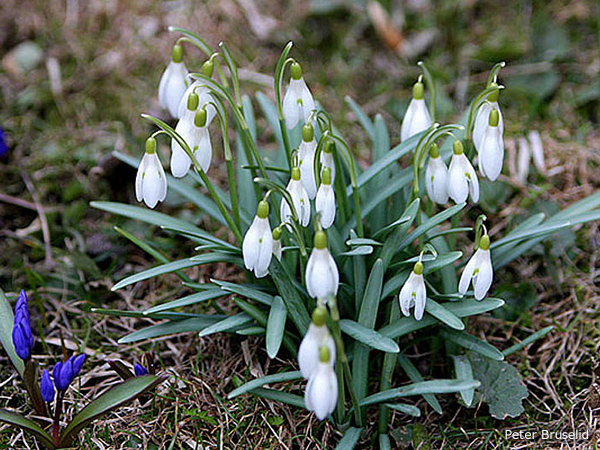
(255, 330)
(440, 386)
(294, 304)
(28, 426)
(362, 117)
(245, 291)
(391, 243)
(534, 337)
(384, 442)
(362, 241)
(259, 382)
(358, 251)
(142, 314)
(270, 112)
(115, 397)
(143, 245)
(405, 408)
(368, 336)
(187, 300)
(463, 370)
(276, 326)
(280, 397)
(231, 323)
(416, 377)
(350, 439)
(444, 315)
(7, 322)
(194, 324)
(472, 343)
(202, 239)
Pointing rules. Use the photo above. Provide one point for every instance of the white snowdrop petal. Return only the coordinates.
(484, 276)
(325, 205)
(458, 187)
(151, 187)
(203, 148)
(467, 274)
(306, 155)
(139, 179)
(265, 252)
(420, 298)
(249, 245)
(415, 120)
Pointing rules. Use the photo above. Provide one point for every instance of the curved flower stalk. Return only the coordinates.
(257, 248)
(193, 129)
(491, 148)
(483, 116)
(462, 179)
(298, 102)
(325, 202)
(150, 181)
(173, 82)
(417, 116)
(414, 293)
(299, 199)
(322, 275)
(436, 176)
(322, 388)
(306, 160)
(478, 271)
(317, 336)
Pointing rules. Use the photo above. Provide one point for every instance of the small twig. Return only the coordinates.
(17, 201)
(40, 210)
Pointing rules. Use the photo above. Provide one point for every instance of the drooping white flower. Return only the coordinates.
(326, 159)
(322, 276)
(277, 248)
(417, 116)
(317, 336)
(478, 271)
(306, 157)
(322, 389)
(150, 181)
(194, 131)
(325, 202)
(257, 248)
(173, 82)
(299, 199)
(436, 177)
(205, 100)
(491, 148)
(414, 293)
(483, 116)
(298, 102)
(462, 179)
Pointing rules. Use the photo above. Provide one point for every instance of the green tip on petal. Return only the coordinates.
(193, 101)
(308, 133)
(328, 147)
(418, 90)
(319, 316)
(324, 354)
(418, 269)
(320, 240)
(484, 242)
(277, 232)
(458, 147)
(150, 145)
(207, 68)
(177, 53)
(200, 118)
(434, 150)
(296, 71)
(494, 118)
(263, 209)
(295, 173)
(326, 176)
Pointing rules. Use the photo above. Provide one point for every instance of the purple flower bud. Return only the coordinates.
(22, 337)
(47, 387)
(139, 370)
(21, 342)
(3, 146)
(56, 374)
(77, 364)
(63, 374)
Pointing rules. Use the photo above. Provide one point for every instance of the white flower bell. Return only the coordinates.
(299, 199)
(298, 102)
(478, 270)
(277, 248)
(414, 293)
(483, 116)
(462, 179)
(491, 148)
(257, 248)
(327, 159)
(325, 202)
(317, 336)
(173, 82)
(322, 389)
(150, 181)
(417, 116)
(204, 96)
(306, 157)
(436, 177)
(322, 276)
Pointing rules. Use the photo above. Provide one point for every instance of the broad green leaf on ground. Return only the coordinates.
(444, 315)
(424, 387)
(462, 367)
(231, 323)
(28, 426)
(470, 342)
(405, 408)
(245, 291)
(501, 386)
(293, 302)
(368, 336)
(275, 326)
(7, 321)
(350, 439)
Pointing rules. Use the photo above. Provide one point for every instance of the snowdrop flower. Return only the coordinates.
(322, 276)
(277, 249)
(306, 156)
(204, 100)
(325, 202)
(478, 270)
(322, 388)
(417, 116)
(173, 82)
(483, 116)
(414, 293)
(491, 148)
(192, 128)
(150, 182)
(317, 336)
(298, 102)
(326, 158)
(257, 248)
(299, 199)
(436, 177)
(462, 179)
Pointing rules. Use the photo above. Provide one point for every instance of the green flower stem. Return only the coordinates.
(233, 71)
(279, 71)
(494, 73)
(387, 370)
(286, 141)
(193, 38)
(341, 355)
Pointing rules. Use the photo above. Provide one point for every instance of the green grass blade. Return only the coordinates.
(534, 337)
(260, 382)
(187, 300)
(194, 324)
(472, 343)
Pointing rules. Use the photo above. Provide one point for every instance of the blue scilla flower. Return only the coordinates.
(65, 373)
(3, 146)
(139, 370)
(47, 387)
(21, 334)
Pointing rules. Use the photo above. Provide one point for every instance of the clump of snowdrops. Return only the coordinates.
(345, 267)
